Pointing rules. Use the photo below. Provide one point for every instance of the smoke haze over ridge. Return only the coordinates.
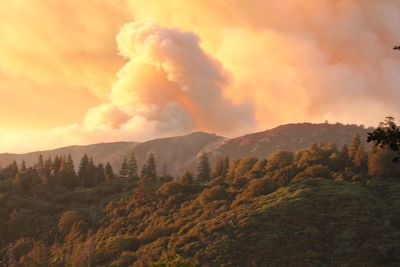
(225, 66)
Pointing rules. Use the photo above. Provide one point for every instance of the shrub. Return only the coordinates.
(67, 219)
(318, 171)
(213, 194)
(171, 188)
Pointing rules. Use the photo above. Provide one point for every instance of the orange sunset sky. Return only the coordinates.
(80, 72)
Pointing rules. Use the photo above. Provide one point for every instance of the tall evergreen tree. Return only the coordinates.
(101, 177)
(83, 170)
(40, 165)
(66, 174)
(23, 166)
(204, 172)
(48, 169)
(132, 168)
(57, 164)
(108, 171)
(149, 169)
(123, 172)
(92, 176)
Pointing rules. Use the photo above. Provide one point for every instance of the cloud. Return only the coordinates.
(170, 82)
(226, 66)
(298, 60)
(55, 55)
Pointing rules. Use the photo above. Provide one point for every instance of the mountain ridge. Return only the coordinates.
(181, 152)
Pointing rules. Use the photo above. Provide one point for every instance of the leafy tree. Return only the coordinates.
(259, 169)
(360, 159)
(232, 169)
(245, 166)
(387, 135)
(67, 219)
(355, 143)
(380, 163)
(279, 159)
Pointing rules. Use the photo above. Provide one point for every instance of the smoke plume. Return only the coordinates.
(169, 85)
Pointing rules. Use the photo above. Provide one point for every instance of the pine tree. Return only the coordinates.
(148, 176)
(203, 173)
(13, 169)
(18, 184)
(132, 168)
(66, 174)
(149, 169)
(40, 165)
(92, 176)
(23, 166)
(108, 171)
(124, 169)
(57, 164)
(83, 170)
(48, 168)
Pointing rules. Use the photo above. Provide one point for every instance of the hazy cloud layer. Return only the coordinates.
(299, 60)
(258, 64)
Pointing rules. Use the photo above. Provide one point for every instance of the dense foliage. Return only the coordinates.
(323, 206)
(387, 135)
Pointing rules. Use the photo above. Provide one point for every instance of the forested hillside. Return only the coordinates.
(325, 205)
(174, 153)
(177, 153)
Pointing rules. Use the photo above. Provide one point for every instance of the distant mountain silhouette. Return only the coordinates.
(103, 152)
(292, 137)
(172, 154)
(175, 154)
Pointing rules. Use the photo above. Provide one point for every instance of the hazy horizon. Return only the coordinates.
(182, 134)
(105, 71)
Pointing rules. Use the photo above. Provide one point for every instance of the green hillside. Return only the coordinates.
(322, 206)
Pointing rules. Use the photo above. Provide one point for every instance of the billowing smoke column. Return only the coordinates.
(169, 85)
(298, 60)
